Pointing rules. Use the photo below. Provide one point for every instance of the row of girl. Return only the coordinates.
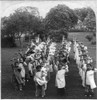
(86, 68)
(39, 60)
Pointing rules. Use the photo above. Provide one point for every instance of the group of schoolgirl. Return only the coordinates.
(86, 68)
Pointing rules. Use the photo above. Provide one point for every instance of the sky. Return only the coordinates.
(8, 7)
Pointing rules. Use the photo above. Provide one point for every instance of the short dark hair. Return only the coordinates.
(38, 67)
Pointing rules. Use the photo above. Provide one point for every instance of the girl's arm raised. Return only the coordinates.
(95, 69)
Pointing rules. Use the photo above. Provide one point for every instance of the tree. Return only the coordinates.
(60, 16)
(81, 13)
(57, 35)
(90, 20)
(58, 21)
(23, 20)
(7, 38)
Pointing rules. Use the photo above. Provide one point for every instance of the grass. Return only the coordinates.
(80, 36)
(73, 81)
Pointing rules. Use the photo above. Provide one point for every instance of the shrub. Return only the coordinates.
(93, 42)
(56, 35)
(78, 30)
(26, 38)
(8, 42)
(89, 37)
(94, 34)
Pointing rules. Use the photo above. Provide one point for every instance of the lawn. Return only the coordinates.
(80, 36)
(73, 88)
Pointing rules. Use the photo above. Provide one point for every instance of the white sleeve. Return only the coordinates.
(67, 70)
(95, 69)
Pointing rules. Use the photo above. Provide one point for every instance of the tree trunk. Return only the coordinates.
(19, 37)
(20, 41)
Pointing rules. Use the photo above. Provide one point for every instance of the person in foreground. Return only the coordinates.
(60, 78)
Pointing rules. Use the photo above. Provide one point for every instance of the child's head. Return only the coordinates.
(59, 67)
(38, 68)
(90, 67)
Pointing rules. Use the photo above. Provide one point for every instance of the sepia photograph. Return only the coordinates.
(48, 49)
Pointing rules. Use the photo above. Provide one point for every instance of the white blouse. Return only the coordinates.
(90, 79)
(60, 78)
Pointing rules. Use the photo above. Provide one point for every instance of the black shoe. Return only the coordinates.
(90, 95)
(86, 94)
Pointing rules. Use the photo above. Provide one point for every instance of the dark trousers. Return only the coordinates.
(40, 90)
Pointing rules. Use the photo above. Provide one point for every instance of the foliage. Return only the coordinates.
(90, 20)
(23, 20)
(7, 42)
(94, 34)
(56, 35)
(26, 38)
(93, 42)
(87, 17)
(81, 13)
(60, 16)
(89, 37)
(78, 30)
